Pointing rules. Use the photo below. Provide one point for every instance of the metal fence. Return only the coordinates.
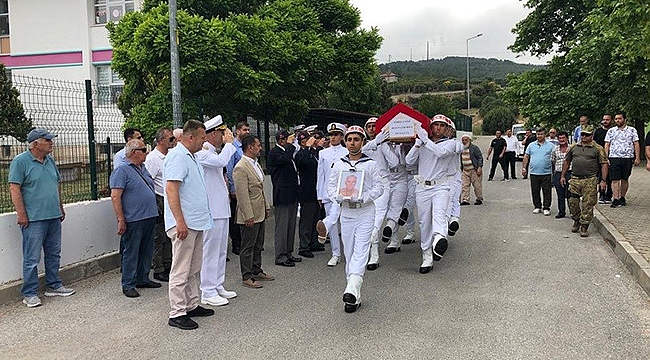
(62, 107)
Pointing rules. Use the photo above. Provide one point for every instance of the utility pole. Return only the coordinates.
(175, 66)
(473, 37)
(427, 50)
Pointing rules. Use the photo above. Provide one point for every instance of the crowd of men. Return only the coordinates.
(595, 168)
(177, 205)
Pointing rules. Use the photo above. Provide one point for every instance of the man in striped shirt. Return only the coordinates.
(557, 158)
(472, 166)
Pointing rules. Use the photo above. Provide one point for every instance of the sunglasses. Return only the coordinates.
(144, 150)
(585, 134)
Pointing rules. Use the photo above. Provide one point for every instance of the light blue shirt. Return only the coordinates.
(231, 165)
(39, 185)
(138, 196)
(540, 158)
(181, 165)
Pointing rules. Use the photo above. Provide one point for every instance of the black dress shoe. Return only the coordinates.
(161, 276)
(464, 203)
(200, 311)
(403, 217)
(306, 253)
(372, 267)
(149, 285)
(349, 298)
(559, 216)
(386, 234)
(316, 248)
(287, 263)
(391, 250)
(295, 259)
(183, 322)
(131, 293)
(350, 308)
(478, 202)
(425, 269)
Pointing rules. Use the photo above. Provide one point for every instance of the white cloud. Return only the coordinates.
(407, 25)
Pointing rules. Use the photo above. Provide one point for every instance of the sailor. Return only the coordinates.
(456, 185)
(357, 213)
(395, 157)
(215, 240)
(371, 149)
(326, 159)
(432, 191)
(409, 206)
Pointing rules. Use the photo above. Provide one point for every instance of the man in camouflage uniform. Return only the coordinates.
(585, 158)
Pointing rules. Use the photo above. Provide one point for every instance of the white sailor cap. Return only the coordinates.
(356, 129)
(299, 127)
(439, 118)
(451, 123)
(216, 123)
(336, 127)
(311, 128)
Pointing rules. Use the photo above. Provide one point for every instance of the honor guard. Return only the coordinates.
(432, 191)
(357, 212)
(455, 185)
(326, 159)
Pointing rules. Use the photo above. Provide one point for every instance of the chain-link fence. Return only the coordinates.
(62, 108)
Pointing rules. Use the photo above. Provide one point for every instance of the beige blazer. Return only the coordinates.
(251, 201)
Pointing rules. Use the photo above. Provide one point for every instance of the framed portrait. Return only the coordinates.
(351, 184)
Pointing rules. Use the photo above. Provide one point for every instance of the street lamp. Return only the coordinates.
(467, 47)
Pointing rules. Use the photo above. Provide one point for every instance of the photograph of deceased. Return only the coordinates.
(350, 184)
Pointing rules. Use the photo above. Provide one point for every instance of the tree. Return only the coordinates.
(269, 59)
(431, 105)
(13, 121)
(499, 118)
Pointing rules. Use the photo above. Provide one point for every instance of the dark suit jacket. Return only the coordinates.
(284, 177)
(307, 164)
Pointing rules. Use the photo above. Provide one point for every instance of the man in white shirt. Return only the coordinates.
(510, 156)
(162, 250)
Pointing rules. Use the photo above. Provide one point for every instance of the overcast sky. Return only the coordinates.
(407, 25)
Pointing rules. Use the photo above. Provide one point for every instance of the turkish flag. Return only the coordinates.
(401, 110)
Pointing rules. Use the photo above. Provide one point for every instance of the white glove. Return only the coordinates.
(380, 137)
(355, 199)
(339, 199)
(365, 199)
(422, 134)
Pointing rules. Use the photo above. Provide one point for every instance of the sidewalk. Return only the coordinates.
(627, 228)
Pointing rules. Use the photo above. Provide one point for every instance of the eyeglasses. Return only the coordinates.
(144, 150)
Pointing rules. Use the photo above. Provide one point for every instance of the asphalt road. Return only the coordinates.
(513, 285)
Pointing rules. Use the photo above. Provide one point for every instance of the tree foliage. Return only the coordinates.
(602, 65)
(497, 118)
(13, 121)
(269, 59)
(431, 105)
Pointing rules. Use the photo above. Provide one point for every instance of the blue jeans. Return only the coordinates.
(46, 235)
(561, 191)
(137, 252)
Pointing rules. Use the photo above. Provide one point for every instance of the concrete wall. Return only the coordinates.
(88, 232)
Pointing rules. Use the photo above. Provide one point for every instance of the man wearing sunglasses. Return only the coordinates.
(120, 157)
(585, 159)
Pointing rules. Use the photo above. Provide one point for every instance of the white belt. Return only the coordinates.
(434, 182)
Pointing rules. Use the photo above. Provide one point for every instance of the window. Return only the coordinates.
(111, 10)
(109, 85)
(4, 27)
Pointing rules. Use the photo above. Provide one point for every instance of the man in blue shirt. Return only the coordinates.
(187, 214)
(35, 193)
(538, 156)
(134, 203)
(241, 131)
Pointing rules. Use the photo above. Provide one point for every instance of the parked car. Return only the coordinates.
(520, 144)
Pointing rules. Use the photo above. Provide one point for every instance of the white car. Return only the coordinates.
(520, 145)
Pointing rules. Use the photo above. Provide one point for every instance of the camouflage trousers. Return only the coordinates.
(588, 190)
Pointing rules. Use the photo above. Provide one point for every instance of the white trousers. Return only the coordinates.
(215, 248)
(410, 204)
(397, 201)
(432, 203)
(332, 213)
(381, 207)
(356, 229)
(455, 187)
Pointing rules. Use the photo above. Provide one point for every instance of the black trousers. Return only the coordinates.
(493, 167)
(234, 228)
(509, 161)
(309, 215)
(543, 183)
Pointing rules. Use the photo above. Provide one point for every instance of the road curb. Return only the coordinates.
(635, 262)
(10, 292)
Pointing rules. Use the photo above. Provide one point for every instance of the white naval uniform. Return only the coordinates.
(357, 223)
(215, 240)
(456, 187)
(433, 187)
(411, 171)
(326, 159)
(372, 149)
(398, 188)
